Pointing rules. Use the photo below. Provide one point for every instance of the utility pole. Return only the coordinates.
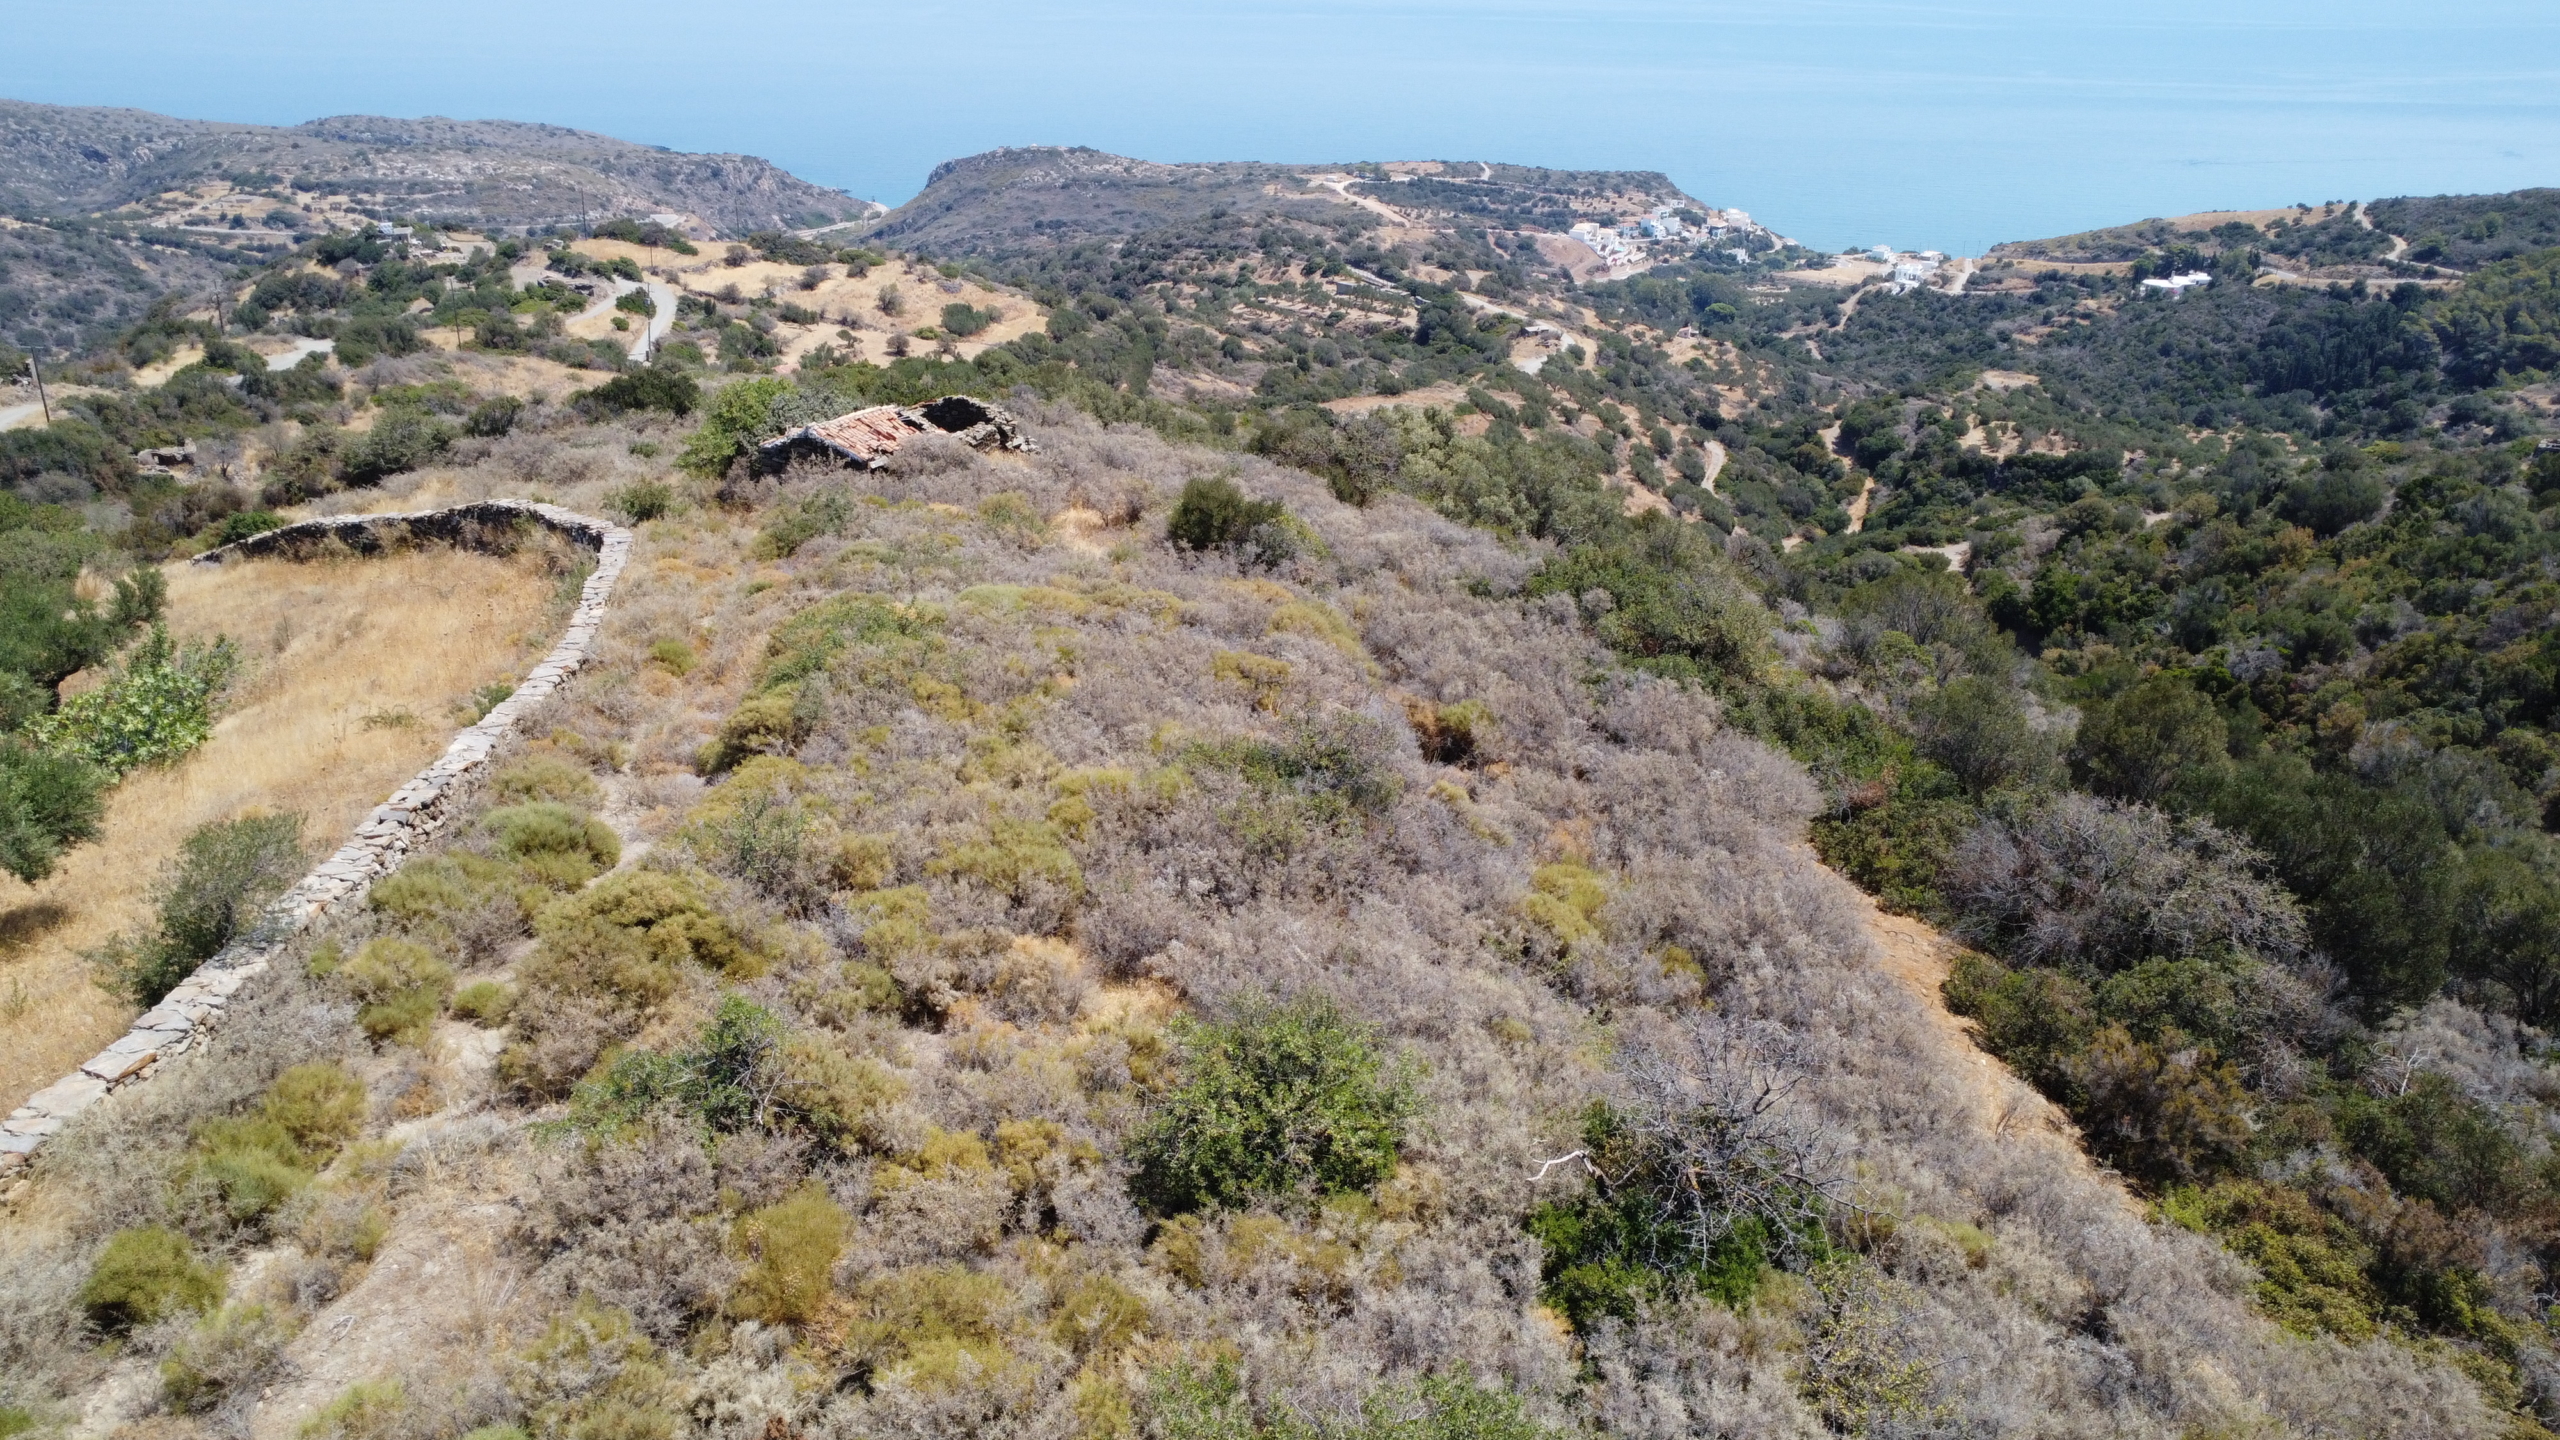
(37, 375)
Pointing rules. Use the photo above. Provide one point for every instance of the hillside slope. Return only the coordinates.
(72, 160)
(959, 791)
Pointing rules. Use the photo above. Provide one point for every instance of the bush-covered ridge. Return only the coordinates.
(2209, 711)
(826, 1110)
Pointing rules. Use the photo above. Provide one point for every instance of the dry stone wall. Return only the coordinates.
(396, 827)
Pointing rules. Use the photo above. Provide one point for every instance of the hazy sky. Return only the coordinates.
(1837, 121)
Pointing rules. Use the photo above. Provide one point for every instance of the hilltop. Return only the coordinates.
(1022, 199)
(2431, 237)
(103, 211)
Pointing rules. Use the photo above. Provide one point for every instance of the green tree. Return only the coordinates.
(2138, 745)
(2505, 935)
(401, 441)
(1978, 729)
(666, 390)
(2331, 499)
(2371, 868)
(737, 418)
(1214, 515)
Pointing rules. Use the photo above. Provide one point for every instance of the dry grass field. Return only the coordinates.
(922, 293)
(335, 656)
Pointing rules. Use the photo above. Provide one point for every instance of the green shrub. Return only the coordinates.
(366, 1410)
(399, 987)
(260, 1159)
(1978, 729)
(484, 1002)
(228, 1352)
(49, 802)
(729, 1078)
(837, 1096)
(2164, 1117)
(225, 875)
(1674, 604)
(642, 501)
(2147, 739)
(476, 706)
(1016, 856)
(547, 777)
(615, 952)
(1190, 1402)
(790, 1249)
(1633, 1236)
(943, 1312)
(673, 656)
(1213, 514)
(402, 440)
(320, 1105)
(967, 320)
(826, 513)
(1325, 773)
(494, 417)
(306, 470)
(157, 707)
(670, 391)
(15, 1421)
(737, 418)
(144, 1275)
(562, 847)
(1286, 1099)
(243, 524)
(2329, 500)
(435, 891)
(2311, 1265)
(607, 1380)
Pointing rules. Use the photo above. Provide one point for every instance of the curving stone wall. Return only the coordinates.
(385, 838)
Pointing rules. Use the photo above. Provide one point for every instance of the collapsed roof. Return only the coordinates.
(865, 439)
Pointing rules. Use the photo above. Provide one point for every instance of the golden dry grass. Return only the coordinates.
(325, 645)
(919, 288)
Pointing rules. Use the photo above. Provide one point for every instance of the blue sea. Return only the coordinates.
(1840, 122)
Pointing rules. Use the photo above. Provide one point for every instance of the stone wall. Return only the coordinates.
(385, 838)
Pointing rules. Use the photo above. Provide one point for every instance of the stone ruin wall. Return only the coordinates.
(386, 837)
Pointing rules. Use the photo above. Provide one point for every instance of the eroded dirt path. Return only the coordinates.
(1919, 958)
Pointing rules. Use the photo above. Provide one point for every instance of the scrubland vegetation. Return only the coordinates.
(1051, 978)
(1258, 918)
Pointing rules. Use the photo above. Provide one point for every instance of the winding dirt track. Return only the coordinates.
(1919, 958)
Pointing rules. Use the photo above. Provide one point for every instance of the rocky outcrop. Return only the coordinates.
(386, 837)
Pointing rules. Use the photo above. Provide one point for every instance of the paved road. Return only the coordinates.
(663, 296)
(301, 348)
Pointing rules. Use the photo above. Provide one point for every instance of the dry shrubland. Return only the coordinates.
(957, 813)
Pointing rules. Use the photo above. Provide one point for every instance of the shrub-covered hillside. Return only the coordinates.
(1282, 911)
(983, 965)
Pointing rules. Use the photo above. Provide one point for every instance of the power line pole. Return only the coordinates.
(37, 375)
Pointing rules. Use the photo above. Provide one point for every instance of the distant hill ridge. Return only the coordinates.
(67, 160)
(1034, 197)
